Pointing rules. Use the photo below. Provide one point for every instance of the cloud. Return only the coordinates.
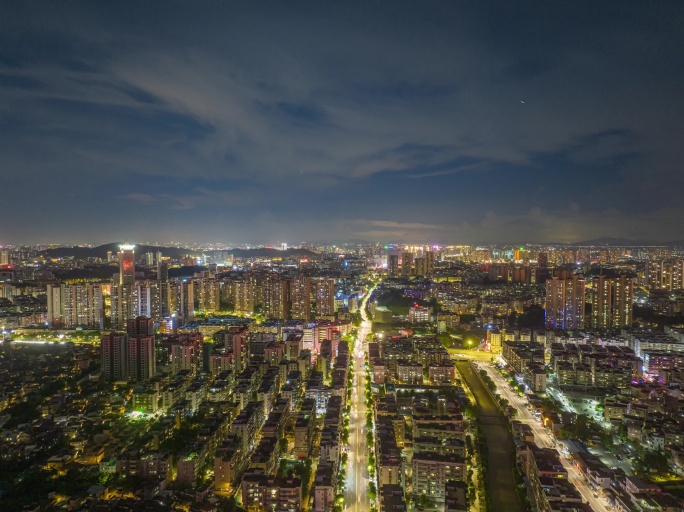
(393, 225)
(244, 111)
(139, 198)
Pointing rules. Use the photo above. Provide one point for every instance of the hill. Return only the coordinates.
(172, 252)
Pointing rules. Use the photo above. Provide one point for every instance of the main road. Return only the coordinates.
(356, 497)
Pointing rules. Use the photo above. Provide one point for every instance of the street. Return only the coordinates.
(356, 492)
(544, 438)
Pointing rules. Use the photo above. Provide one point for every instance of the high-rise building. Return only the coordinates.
(239, 347)
(677, 280)
(565, 300)
(83, 306)
(420, 266)
(186, 300)
(300, 298)
(5, 258)
(208, 293)
(127, 264)
(181, 300)
(601, 303)
(184, 356)
(146, 299)
(54, 306)
(406, 263)
(612, 302)
(141, 358)
(623, 301)
(149, 258)
(72, 306)
(244, 292)
(121, 305)
(429, 262)
(542, 267)
(162, 270)
(114, 356)
(521, 274)
(393, 265)
(325, 297)
(140, 326)
(275, 296)
(664, 275)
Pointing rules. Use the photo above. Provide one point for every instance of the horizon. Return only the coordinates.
(269, 122)
(283, 246)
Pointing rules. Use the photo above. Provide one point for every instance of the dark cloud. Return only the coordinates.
(269, 121)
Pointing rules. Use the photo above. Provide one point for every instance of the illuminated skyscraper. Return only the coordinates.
(54, 306)
(565, 300)
(406, 263)
(393, 265)
(185, 308)
(5, 258)
(147, 299)
(612, 302)
(127, 264)
(141, 359)
(300, 297)
(664, 275)
(429, 262)
(82, 306)
(275, 296)
(542, 267)
(623, 301)
(121, 305)
(140, 326)
(601, 303)
(114, 356)
(208, 293)
(325, 297)
(420, 266)
(243, 295)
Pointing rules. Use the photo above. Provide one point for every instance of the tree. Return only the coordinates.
(608, 440)
(372, 492)
(653, 460)
(622, 433)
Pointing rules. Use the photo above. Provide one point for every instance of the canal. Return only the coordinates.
(500, 450)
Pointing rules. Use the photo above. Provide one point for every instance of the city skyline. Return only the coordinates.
(429, 123)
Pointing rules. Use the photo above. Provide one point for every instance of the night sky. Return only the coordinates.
(456, 122)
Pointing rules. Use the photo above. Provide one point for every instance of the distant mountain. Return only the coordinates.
(626, 242)
(172, 252)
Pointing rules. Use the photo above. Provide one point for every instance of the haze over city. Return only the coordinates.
(266, 121)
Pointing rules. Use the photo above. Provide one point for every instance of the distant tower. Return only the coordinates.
(127, 264)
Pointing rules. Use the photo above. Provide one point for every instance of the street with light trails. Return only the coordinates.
(356, 497)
